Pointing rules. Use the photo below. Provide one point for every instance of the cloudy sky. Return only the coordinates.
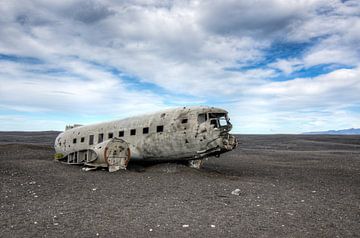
(277, 66)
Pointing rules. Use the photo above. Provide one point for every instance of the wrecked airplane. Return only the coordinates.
(187, 134)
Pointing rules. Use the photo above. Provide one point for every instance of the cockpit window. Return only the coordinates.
(216, 115)
(214, 122)
(223, 121)
(219, 120)
(202, 118)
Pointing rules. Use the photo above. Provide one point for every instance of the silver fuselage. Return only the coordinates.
(177, 134)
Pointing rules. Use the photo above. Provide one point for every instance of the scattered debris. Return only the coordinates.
(236, 192)
(94, 189)
(150, 229)
(88, 168)
(185, 225)
(35, 222)
(212, 226)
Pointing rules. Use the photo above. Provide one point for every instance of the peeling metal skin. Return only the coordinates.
(187, 133)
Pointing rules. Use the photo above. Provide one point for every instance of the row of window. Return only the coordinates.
(121, 134)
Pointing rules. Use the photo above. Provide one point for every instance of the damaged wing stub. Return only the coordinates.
(188, 134)
(113, 154)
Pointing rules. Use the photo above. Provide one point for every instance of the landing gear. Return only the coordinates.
(196, 163)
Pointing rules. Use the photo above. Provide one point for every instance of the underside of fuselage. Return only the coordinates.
(116, 155)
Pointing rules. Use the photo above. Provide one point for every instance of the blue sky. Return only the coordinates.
(276, 66)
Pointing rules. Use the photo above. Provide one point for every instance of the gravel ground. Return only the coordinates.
(282, 185)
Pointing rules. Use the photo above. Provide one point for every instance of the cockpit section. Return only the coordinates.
(213, 129)
(220, 120)
(216, 120)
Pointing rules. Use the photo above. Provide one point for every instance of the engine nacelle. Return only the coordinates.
(113, 153)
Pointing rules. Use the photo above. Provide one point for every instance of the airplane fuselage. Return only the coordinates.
(187, 133)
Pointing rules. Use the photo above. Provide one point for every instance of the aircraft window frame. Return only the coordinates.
(219, 120)
(74, 140)
(82, 139)
(91, 139)
(100, 137)
(121, 133)
(223, 119)
(110, 135)
(184, 121)
(146, 130)
(202, 117)
(160, 128)
(215, 122)
(133, 132)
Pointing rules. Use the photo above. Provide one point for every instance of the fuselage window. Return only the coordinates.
(121, 133)
(202, 118)
(74, 140)
(133, 132)
(101, 137)
(146, 130)
(159, 128)
(185, 120)
(91, 139)
(214, 122)
(110, 135)
(82, 139)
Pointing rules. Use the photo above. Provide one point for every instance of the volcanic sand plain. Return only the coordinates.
(286, 186)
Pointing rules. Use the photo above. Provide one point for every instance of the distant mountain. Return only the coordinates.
(351, 131)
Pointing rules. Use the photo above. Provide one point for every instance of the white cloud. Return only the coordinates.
(333, 50)
(303, 104)
(339, 87)
(255, 18)
(287, 66)
(95, 92)
(193, 51)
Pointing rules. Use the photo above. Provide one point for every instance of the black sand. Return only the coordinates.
(290, 186)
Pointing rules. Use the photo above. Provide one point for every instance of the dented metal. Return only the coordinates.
(187, 133)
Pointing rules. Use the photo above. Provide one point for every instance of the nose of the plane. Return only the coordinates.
(230, 142)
